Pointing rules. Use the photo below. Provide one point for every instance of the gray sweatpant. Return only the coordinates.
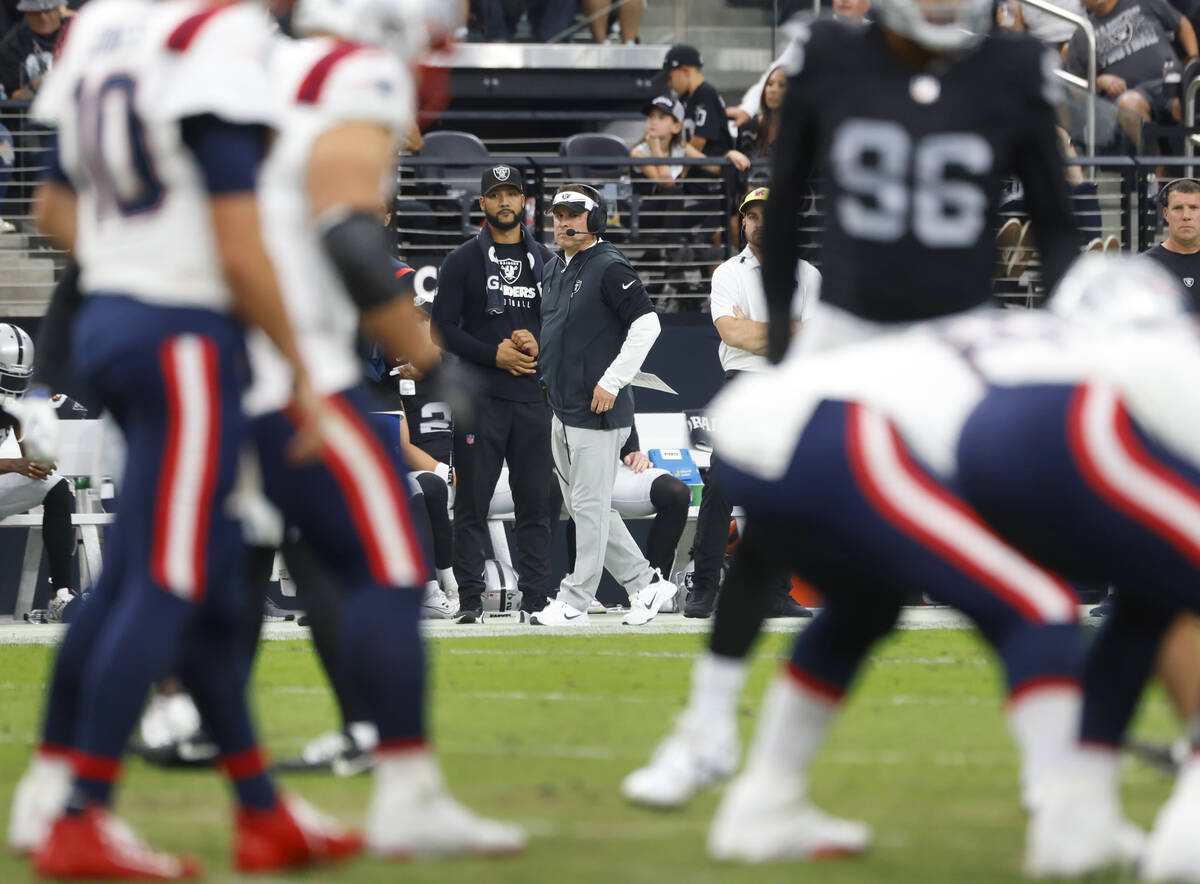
(586, 463)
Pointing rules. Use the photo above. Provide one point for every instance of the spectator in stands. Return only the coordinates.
(705, 125)
(1179, 253)
(547, 18)
(756, 138)
(739, 312)
(629, 18)
(1055, 32)
(488, 313)
(598, 327)
(27, 51)
(664, 138)
(1133, 43)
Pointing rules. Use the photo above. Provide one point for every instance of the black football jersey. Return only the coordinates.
(911, 165)
(1185, 268)
(429, 420)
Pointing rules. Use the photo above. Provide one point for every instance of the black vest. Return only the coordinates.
(581, 336)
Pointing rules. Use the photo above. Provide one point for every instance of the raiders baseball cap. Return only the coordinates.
(38, 5)
(758, 195)
(680, 55)
(666, 104)
(501, 176)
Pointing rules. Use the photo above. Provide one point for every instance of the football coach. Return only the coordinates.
(597, 327)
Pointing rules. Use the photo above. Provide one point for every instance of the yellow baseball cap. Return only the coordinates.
(759, 194)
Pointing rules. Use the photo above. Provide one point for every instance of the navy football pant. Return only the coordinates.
(170, 595)
(351, 510)
(1066, 474)
(857, 516)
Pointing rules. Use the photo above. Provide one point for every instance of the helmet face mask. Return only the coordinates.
(16, 360)
(940, 26)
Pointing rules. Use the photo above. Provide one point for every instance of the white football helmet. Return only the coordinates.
(500, 592)
(1119, 292)
(16, 360)
(938, 25)
(406, 27)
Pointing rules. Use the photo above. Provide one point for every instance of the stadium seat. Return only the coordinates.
(613, 180)
(461, 181)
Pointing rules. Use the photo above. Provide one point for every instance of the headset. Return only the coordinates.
(1165, 192)
(597, 216)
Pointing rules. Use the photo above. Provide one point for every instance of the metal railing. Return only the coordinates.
(1083, 22)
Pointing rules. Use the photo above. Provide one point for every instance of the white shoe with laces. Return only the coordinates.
(691, 758)
(39, 798)
(558, 613)
(435, 605)
(412, 814)
(645, 606)
(766, 817)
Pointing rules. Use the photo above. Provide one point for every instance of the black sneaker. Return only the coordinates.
(471, 615)
(533, 604)
(700, 603)
(783, 605)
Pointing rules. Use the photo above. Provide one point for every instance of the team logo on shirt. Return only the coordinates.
(510, 269)
(578, 286)
(501, 173)
(1189, 281)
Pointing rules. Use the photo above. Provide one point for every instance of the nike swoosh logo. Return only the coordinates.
(628, 284)
(569, 617)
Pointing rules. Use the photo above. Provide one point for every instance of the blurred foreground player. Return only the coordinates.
(910, 126)
(348, 106)
(164, 225)
(1095, 398)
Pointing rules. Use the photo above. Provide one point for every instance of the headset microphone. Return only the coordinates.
(571, 231)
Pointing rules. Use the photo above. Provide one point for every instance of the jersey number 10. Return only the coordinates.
(112, 147)
(891, 186)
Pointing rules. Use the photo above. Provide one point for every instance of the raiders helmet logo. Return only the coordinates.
(501, 173)
(1189, 281)
(510, 269)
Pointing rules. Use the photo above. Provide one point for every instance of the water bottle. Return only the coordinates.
(1172, 80)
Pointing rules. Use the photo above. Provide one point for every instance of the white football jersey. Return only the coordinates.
(130, 71)
(321, 83)
(930, 378)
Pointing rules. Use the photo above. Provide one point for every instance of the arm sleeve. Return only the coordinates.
(1076, 62)
(794, 161)
(1040, 168)
(631, 444)
(228, 153)
(715, 122)
(447, 315)
(624, 293)
(638, 340)
(1167, 14)
(53, 348)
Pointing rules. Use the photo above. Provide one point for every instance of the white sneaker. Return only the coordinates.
(39, 798)
(1173, 850)
(558, 613)
(765, 817)
(413, 815)
(645, 606)
(689, 760)
(1076, 827)
(169, 719)
(435, 605)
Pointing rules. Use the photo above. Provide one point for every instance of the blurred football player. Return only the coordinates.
(907, 128)
(346, 108)
(1073, 436)
(164, 225)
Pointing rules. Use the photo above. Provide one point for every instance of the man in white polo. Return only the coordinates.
(739, 311)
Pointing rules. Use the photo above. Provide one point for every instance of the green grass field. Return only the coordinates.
(541, 729)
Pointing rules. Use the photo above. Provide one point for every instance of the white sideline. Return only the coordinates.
(21, 633)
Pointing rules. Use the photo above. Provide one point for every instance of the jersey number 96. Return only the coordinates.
(890, 186)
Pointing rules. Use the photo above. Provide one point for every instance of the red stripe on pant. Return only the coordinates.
(244, 765)
(814, 685)
(876, 494)
(401, 745)
(96, 767)
(1040, 683)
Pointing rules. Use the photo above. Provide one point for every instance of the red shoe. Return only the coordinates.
(96, 846)
(290, 834)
